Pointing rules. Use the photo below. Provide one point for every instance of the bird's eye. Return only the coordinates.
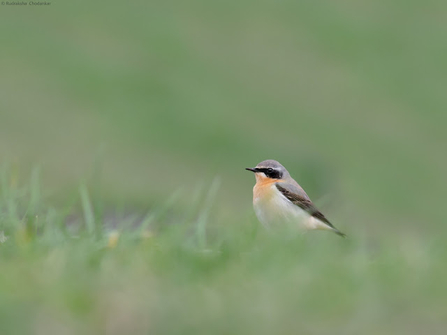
(270, 170)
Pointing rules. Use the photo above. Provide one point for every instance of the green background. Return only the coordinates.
(145, 98)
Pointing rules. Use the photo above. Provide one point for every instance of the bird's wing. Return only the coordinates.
(302, 200)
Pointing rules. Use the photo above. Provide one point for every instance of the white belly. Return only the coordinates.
(277, 209)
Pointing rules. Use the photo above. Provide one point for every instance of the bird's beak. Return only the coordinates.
(251, 169)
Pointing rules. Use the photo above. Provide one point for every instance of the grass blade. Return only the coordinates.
(87, 209)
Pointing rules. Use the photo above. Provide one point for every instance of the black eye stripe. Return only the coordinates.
(271, 173)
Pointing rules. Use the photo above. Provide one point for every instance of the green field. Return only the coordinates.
(125, 128)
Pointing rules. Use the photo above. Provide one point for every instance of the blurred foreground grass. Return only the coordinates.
(193, 276)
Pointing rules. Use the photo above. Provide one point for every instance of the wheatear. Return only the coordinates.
(277, 197)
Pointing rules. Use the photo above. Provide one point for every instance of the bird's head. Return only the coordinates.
(269, 169)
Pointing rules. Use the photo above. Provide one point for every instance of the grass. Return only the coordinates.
(161, 97)
(198, 277)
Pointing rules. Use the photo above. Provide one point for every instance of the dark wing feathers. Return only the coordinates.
(304, 204)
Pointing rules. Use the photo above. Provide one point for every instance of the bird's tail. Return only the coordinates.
(338, 232)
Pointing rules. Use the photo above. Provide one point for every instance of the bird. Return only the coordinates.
(277, 198)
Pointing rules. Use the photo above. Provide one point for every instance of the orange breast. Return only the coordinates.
(263, 189)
